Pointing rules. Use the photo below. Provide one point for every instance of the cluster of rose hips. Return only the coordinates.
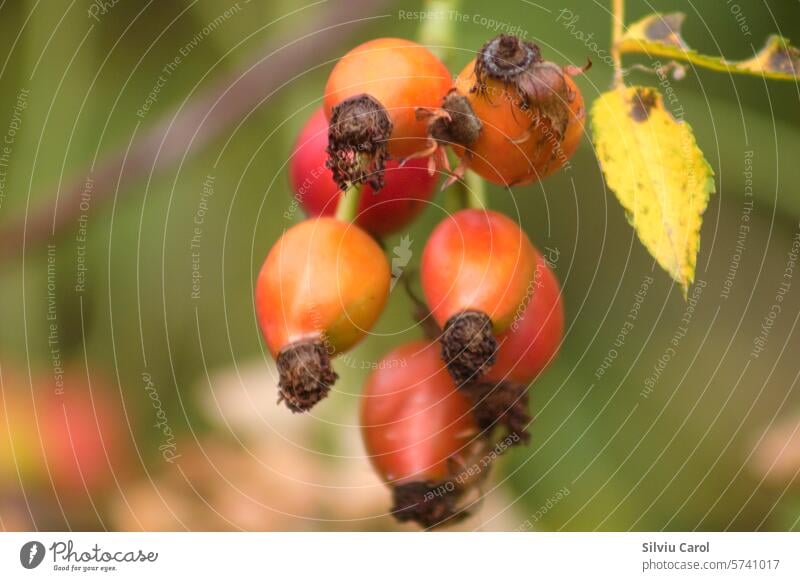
(390, 110)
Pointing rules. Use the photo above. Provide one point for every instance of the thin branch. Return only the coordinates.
(201, 120)
(617, 31)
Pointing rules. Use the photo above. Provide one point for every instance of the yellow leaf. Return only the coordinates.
(659, 35)
(653, 165)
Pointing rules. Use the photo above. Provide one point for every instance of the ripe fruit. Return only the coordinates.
(476, 269)
(418, 430)
(512, 117)
(371, 99)
(402, 198)
(321, 288)
(533, 339)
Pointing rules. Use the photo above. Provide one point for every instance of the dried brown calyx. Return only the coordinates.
(540, 85)
(454, 123)
(306, 375)
(505, 58)
(451, 499)
(459, 124)
(358, 137)
(429, 504)
(468, 345)
(501, 404)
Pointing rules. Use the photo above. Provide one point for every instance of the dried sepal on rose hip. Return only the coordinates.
(532, 341)
(320, 290)
(358, 139)
(476, 271)
(501, 405)
(512, 117)
(421, 434)
(371, 99)
(404, 195)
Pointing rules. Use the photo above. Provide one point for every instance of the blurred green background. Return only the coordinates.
(713, 447)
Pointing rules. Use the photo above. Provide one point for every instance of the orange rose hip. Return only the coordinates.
(320, 290)
(371, 100)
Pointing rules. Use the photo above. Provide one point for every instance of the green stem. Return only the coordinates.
(617, 30)
(347, 209)
(437, 32)
(476, 191)
(467, 193)
(454, 198)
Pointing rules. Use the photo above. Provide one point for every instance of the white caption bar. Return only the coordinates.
(387, 556)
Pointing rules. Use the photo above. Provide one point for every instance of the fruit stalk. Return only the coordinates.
(347, 208)
(437, 35)
(467, 193)
(617, 29)
(476, 191)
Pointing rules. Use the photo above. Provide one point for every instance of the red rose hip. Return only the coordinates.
(476, 271)
(533, 339)
(405, 192)
(418, 430)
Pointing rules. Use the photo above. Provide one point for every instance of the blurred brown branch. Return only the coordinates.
(203, 118)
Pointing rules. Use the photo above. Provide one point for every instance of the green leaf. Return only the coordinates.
(653, 164)
(659, 35)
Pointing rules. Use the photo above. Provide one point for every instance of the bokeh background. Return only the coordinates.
(133, 400)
